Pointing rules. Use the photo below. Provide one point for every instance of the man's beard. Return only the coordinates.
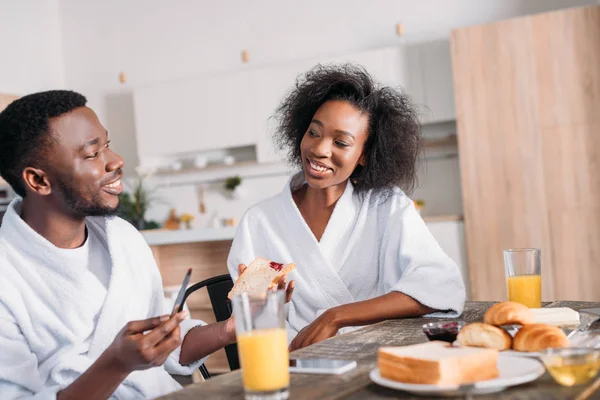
(83, 207)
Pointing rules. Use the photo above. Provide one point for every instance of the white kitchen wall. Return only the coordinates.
(31, 56)
(157, 41)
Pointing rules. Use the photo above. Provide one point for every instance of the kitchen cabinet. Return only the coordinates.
(194, 115)
(438, 88)
(451, 237)
(527, 100)
(232, 109)
(422, 69)
(396, 66)
(269, 86)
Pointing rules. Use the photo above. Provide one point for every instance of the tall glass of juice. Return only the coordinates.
(523, 269)
(262, 345)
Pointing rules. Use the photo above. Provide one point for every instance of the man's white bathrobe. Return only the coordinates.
(48, 337)
(372, 245)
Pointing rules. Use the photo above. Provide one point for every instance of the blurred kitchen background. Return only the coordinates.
(186, 88)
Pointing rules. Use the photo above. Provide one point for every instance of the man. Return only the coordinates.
(81, 305)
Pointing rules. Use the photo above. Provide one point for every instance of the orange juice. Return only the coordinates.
(525, 289)
(264, 359)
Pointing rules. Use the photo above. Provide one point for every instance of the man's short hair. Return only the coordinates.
(25, 136)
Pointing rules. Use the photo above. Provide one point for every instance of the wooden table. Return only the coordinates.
(362, 345)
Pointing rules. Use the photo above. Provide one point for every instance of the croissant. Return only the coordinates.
(484, 335)
(509, 313)
(538, 337)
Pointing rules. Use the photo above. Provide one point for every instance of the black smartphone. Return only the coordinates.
(179, 300)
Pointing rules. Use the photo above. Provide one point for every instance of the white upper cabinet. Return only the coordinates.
(269, 86)
(232, 109)
(194, 115)
(436, 66)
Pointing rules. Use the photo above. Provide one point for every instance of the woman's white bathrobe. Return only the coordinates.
(372, 246)
(47, 332)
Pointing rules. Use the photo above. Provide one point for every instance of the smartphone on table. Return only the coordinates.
(321, 366)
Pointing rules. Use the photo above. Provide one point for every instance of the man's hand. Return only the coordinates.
(133, 349)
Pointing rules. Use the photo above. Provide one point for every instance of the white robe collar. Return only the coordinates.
(325, 256)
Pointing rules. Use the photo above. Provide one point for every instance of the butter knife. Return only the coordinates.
(586, 318)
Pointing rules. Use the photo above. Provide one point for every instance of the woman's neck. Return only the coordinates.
(317, 205)
(324, 199)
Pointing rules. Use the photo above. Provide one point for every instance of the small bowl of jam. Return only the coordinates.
(445, 331)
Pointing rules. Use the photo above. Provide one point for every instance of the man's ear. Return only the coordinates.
(37, 181)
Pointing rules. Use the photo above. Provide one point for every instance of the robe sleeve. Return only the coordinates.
(415, 264)
(19, 374)
(242, 249)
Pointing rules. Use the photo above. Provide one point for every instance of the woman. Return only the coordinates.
(363, 253)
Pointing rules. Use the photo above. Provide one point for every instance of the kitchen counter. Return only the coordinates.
(160, 237)
(442, 218)
(164, 236)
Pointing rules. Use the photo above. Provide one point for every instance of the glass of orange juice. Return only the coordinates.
(523, 276)
(262, 345)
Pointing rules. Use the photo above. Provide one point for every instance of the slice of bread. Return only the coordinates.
(260, 276)
(437, 363)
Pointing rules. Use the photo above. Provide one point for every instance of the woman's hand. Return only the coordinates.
(320, 329)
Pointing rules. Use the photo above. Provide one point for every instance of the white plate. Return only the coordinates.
(513, 371)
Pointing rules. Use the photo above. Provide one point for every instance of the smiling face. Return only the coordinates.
(84, 173)
(332, 147)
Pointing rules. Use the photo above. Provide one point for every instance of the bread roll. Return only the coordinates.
(509, 313)
(538, 337)
(484, 335)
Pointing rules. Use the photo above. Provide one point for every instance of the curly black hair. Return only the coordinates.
(25, 135)
(392, 148)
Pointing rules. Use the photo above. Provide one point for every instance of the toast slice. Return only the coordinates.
(260, 276)
(437, 363)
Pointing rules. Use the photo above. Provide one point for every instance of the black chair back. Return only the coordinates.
(218, 288)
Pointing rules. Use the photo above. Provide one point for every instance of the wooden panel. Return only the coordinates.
(567, 49)
(572, 166)
(499, 152)
(576, 248)
(207, 259)
(6, 99)
(527, 99)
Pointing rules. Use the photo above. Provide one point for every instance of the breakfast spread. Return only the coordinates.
(475, 355)
(531, 337)
(260, 276)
